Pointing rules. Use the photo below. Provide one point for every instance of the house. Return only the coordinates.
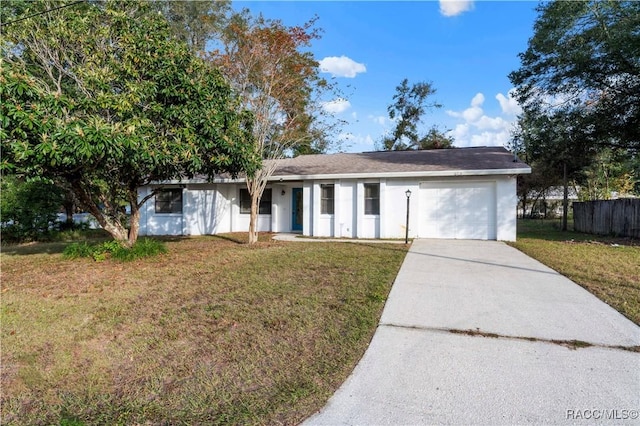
(548, 203)
(461, 193)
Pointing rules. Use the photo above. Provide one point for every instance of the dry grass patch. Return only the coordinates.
(607, 267)
(213, 332)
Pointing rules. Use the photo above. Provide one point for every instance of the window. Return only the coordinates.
(169, 201)
(372, 198)
(326, 199)
(245, 202)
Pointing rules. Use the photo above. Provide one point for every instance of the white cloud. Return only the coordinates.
(477, 100)
(341, 66)
(455, 7)
(472, 114)
(336, 106)
(508, 103)
(491, 123)
(479, 129)
(379, 119)
(356, 143)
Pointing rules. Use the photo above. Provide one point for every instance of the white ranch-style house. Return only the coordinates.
(460, 193)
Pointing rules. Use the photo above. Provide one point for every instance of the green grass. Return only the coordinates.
(607, 267)
(212, 332)
(219, 332)
(59, 241)
(144, 247)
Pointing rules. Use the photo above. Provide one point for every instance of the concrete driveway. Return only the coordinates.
(475, 332)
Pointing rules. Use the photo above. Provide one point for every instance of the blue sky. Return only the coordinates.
(466, 49)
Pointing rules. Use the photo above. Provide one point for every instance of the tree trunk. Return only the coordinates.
(565, 197)
(134, 225)
(69, 208)
(113, 227)
(253, 220)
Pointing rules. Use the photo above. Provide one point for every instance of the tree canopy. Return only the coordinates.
(104, 98)
(410, 105)
(277, 78)
(28, 209)
(579, 87)
(196, 22)
(585, 55)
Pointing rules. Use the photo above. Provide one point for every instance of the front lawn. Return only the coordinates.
(214, 332)
(607, 267)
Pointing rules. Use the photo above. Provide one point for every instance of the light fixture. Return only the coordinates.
(406, 234)
(282, 193)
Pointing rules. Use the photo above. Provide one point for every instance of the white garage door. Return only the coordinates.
(460, 210)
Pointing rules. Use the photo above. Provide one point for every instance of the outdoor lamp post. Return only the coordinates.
(406, 235)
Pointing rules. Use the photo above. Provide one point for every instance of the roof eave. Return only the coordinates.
(369, 175)
(413, 174)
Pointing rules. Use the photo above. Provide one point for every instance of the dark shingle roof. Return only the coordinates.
(390, 162)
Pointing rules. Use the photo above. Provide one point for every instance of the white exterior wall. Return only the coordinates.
(393, 208)
(206, 209)
(240, 221)
(308, 219)
(323, 225)
(507, 205)
(345, 204)
(368, 226)
(214, 208)
(159, 224)
(281, 208)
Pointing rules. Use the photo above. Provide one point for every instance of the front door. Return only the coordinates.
(296, 209)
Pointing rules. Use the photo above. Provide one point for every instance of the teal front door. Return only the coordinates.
(296, 209)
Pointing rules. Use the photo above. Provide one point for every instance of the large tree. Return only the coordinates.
(278, 80)
(411, 103)
(610, 174)
(585, 55)
(28, 209)
(196, 22)
(102, 97)
(557, 144)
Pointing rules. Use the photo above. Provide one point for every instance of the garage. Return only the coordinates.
(458, 210)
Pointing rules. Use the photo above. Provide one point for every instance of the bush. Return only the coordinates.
(29, 208)
(145, 247)
(76, 250)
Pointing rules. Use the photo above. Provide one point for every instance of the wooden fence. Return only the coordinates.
(608, 217)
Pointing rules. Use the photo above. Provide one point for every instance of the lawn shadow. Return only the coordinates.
(243, 237)
(57, 247)
(33, 248)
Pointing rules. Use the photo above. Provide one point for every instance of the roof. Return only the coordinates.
(476, 161)
(437, 162)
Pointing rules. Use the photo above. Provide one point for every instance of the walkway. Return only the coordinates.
(476, 332)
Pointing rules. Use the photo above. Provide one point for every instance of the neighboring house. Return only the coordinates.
(80, 218)
(463, 193)
(548, 203)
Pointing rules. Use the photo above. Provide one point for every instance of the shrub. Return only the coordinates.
(29, 208)
(76, 250)
(145, 247)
